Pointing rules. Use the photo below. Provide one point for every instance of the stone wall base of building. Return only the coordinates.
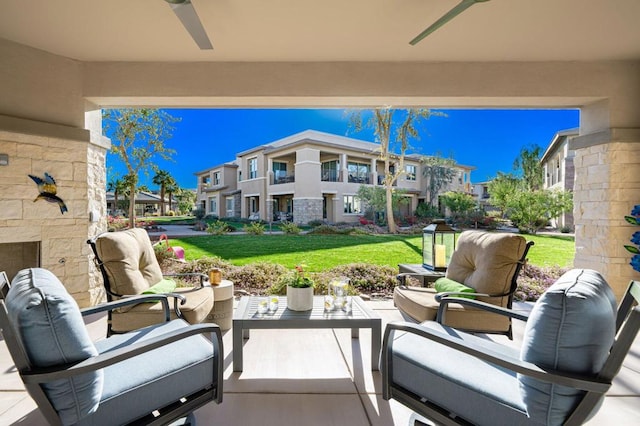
(306, 210)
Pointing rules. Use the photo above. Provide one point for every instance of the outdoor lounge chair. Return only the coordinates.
(574, 344)
(488, 263)
(129, 267)
(150, 376)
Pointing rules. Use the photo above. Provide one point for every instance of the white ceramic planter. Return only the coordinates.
(300, 299)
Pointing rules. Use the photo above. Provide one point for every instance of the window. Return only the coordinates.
(213, 205)
(411, 172)
(279, 169)
(216, 178)
(358, 172)
(230, 207)
(253, 204)
(329, 171)
(352, 204)
(253, 168)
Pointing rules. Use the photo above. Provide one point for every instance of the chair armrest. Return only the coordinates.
(591, 384)
(444, 301)
(440, 296)
(130, 300)
(66, 371)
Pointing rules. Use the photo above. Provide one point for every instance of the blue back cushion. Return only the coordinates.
(52, 331)
(571, 328)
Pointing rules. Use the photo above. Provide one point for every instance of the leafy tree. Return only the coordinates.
(138, 138)
(161, 178)
(501, 188)
(119, 187)
(459, 203)
(528, 165)
(439, 172)
(375, 198)
(531, 210)
(393, 129)
(186, 200)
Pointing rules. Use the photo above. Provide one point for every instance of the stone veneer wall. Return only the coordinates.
(77, 162)
(306, 210)
(607, 186)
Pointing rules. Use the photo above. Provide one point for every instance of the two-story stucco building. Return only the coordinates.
(559, 170)
(308, 176)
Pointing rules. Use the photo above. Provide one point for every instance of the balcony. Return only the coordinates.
(280, 179)
(359, 179)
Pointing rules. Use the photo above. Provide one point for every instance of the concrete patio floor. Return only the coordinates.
(312, 377)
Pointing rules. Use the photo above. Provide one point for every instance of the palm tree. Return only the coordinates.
(119, 187)
(162, 178)
(171, 187)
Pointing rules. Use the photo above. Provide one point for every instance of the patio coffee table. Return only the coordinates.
(246, 318)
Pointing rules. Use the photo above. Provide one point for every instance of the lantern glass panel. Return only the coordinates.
(427, 249)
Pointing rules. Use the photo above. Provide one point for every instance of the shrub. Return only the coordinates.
(218, 228)
(163, 255)
(533, 281)
(199, 213)
(363, 278)
(290, 228)
(427, 211)
(171, 213)
(254, 228)
(315, 223)
(116, 223)
(256, 277)
(330, 230)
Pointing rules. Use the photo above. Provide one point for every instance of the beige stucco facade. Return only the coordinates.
(559, 171)
(315, 176)
(53, 95)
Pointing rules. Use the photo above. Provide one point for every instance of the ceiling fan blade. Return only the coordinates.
(185, 11)
(461, 7)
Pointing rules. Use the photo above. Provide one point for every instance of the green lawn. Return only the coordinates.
(322, 252)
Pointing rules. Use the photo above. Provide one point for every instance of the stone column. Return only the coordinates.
(607, 186)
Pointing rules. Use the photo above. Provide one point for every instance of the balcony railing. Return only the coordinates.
(359, 179)
(283, 179)
(330, 176)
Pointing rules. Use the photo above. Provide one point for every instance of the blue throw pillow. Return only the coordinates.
(571, 328)
(53, 333)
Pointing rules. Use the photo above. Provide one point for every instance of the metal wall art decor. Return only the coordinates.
(47, 191)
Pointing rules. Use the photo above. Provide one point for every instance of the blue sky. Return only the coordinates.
(488, 140)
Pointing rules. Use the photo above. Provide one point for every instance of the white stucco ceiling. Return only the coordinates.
(328, 30)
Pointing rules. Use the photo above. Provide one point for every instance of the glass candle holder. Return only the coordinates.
(273, 304)
(328, 303)
(263, 306)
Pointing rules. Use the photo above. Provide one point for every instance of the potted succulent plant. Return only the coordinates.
(299, 290)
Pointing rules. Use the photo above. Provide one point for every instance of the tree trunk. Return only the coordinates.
(132, 206)
(162, 200)
(390, 220)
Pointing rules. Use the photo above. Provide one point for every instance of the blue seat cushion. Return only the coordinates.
(456, 381)
(139, 385)
(53, 333)
(571, 328)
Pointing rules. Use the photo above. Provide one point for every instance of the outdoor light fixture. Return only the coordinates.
(438, 244)
(4, 159)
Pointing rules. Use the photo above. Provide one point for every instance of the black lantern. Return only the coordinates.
(438, 244)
